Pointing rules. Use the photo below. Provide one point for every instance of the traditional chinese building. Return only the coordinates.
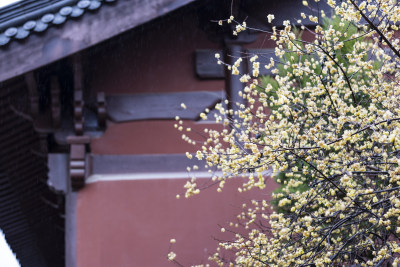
(90, 161)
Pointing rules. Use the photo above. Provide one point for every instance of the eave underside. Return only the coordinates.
(30, 214)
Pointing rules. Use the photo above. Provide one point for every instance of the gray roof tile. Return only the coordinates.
(24, 18)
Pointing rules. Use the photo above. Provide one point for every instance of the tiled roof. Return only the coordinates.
(79, 33)
(27, 17)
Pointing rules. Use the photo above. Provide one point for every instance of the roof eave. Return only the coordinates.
(75, 35)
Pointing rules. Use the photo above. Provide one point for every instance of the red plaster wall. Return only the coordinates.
(156, 58)
(149, 137)
(130, 223)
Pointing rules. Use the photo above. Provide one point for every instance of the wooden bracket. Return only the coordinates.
(78, 94)
(77, 160)
(78, 112)
(55, 102)
(101, 110)
(33, 93)
(78, 142)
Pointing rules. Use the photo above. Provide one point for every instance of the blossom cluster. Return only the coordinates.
(329, 120)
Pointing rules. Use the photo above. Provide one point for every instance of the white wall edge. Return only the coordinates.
(148, 176)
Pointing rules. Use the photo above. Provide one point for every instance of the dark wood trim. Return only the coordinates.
(233, 83)
(206, 64)
(121, 108)
(207, 68)
(123, 164)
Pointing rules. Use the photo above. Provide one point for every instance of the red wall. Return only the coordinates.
(130, 223)
(157, 58)
(147, 137)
